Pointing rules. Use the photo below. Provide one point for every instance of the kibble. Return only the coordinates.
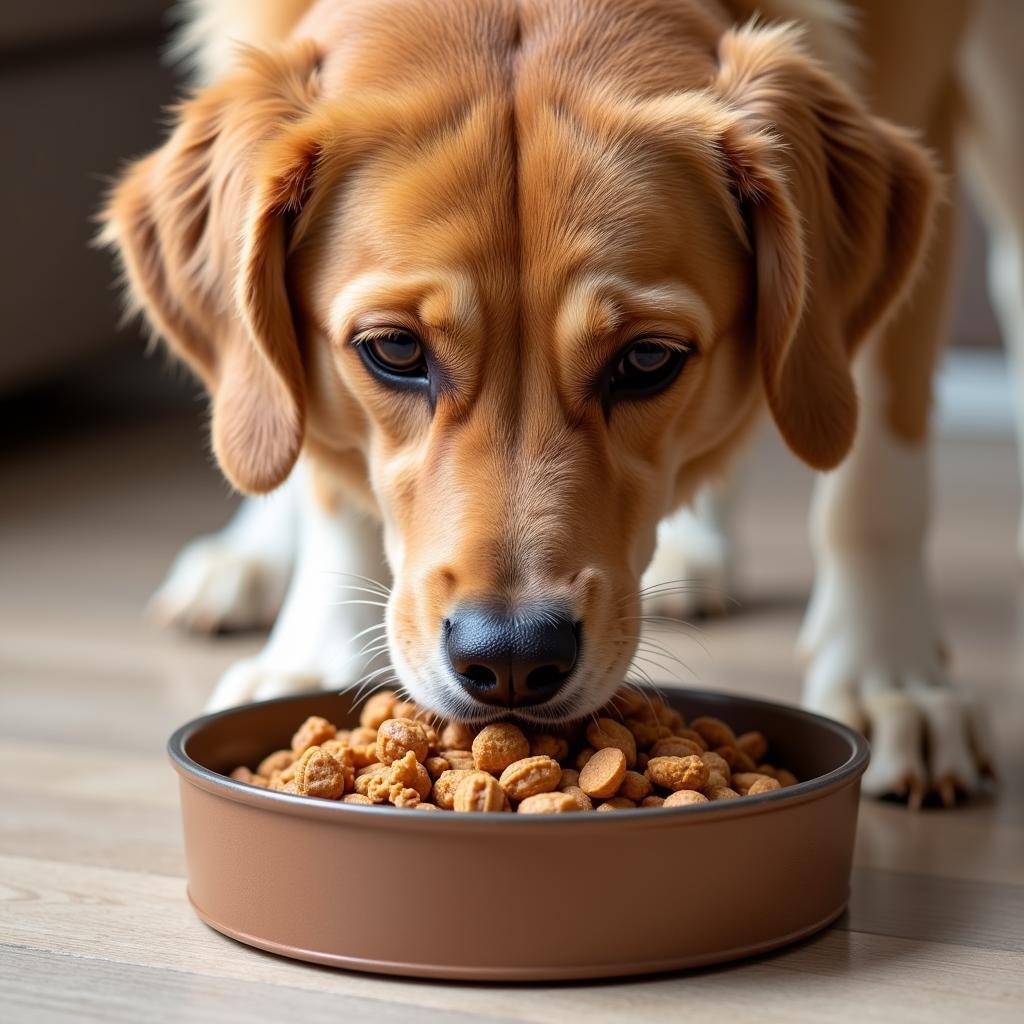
(640, 754)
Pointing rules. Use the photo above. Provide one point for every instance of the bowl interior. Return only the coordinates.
(806, 744)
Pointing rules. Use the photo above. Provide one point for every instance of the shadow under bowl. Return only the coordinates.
(508, 897)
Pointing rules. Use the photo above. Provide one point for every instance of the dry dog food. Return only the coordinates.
(637, 753)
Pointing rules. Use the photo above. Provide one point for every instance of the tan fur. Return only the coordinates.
(527, 186)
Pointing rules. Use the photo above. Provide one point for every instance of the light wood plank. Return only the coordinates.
(46, 987)
(144, 921)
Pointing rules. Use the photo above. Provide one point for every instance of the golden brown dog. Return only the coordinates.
(514, 279)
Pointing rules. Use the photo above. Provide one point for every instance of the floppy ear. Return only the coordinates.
(839, 205)
(201, 227)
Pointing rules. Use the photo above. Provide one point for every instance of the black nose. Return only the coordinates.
(511, 658)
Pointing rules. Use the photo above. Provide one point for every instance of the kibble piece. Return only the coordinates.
(459, 759)
(738, 761)
(673, 719)
(375, 784)
(457, 736)
(616, 803)
(583, 757)
(583, 802)
(275, 762)
(602, 775)
(318, 774)
(682, 797)
(764, 785)
(364, 754)
(357, 798)
(313, 731)
(693, 737)
(714, 731)
(716, 763)
(742, 781)
(641, 760)
(497, 746)
(446, 785)
(403, 797)
(436, 766)
(786, 778)
(556, 747)
(569, 777)
(424, 806)
(753, 744)
(242, 774)
(635, 787)
(715, 780)
(720, 793)
(627, 702)
(378, 709)
(606, 732)
(653, 801)
(397, 736)
(408, 773)
(361, 736)
(530, 776)
(548, 803)
(478, 791)
(677, 773)
(675, 746)
(405, 709)
(647, 733)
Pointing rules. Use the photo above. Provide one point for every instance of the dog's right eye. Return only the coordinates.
(393, 354)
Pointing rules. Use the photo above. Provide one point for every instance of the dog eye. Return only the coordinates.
(395, 353)
(645, 367)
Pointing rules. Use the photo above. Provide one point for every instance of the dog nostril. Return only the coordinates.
(481, 675)
(544, 678)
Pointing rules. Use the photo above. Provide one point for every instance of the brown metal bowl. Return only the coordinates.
(512, 897)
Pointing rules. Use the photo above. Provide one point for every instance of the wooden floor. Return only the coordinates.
(94, 924)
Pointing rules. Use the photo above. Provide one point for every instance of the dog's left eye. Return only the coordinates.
(645, 367)
(397, 352)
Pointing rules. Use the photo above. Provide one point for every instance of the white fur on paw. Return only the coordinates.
(875, 665)
(255, 679)
(214, 585)
(691, 572)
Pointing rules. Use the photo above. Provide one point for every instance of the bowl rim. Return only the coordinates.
(227, 788)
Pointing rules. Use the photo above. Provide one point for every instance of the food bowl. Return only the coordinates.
(511, 897)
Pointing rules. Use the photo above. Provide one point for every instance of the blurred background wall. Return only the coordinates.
(82, 89)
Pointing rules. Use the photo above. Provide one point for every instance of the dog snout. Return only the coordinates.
(512, 657)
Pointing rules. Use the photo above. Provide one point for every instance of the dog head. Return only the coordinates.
(522, 323)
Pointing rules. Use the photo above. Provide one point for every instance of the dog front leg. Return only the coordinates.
(331, 613)
(875, 655)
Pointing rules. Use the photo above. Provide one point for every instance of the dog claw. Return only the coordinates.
(915, 790)
(947, 792)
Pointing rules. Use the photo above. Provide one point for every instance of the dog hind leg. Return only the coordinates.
(992, 77)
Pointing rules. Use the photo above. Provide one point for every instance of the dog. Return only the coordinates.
(483, 291)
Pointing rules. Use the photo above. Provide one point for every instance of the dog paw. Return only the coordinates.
(255, 679)
(875, 664)
(691, 572)
(215, 585)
